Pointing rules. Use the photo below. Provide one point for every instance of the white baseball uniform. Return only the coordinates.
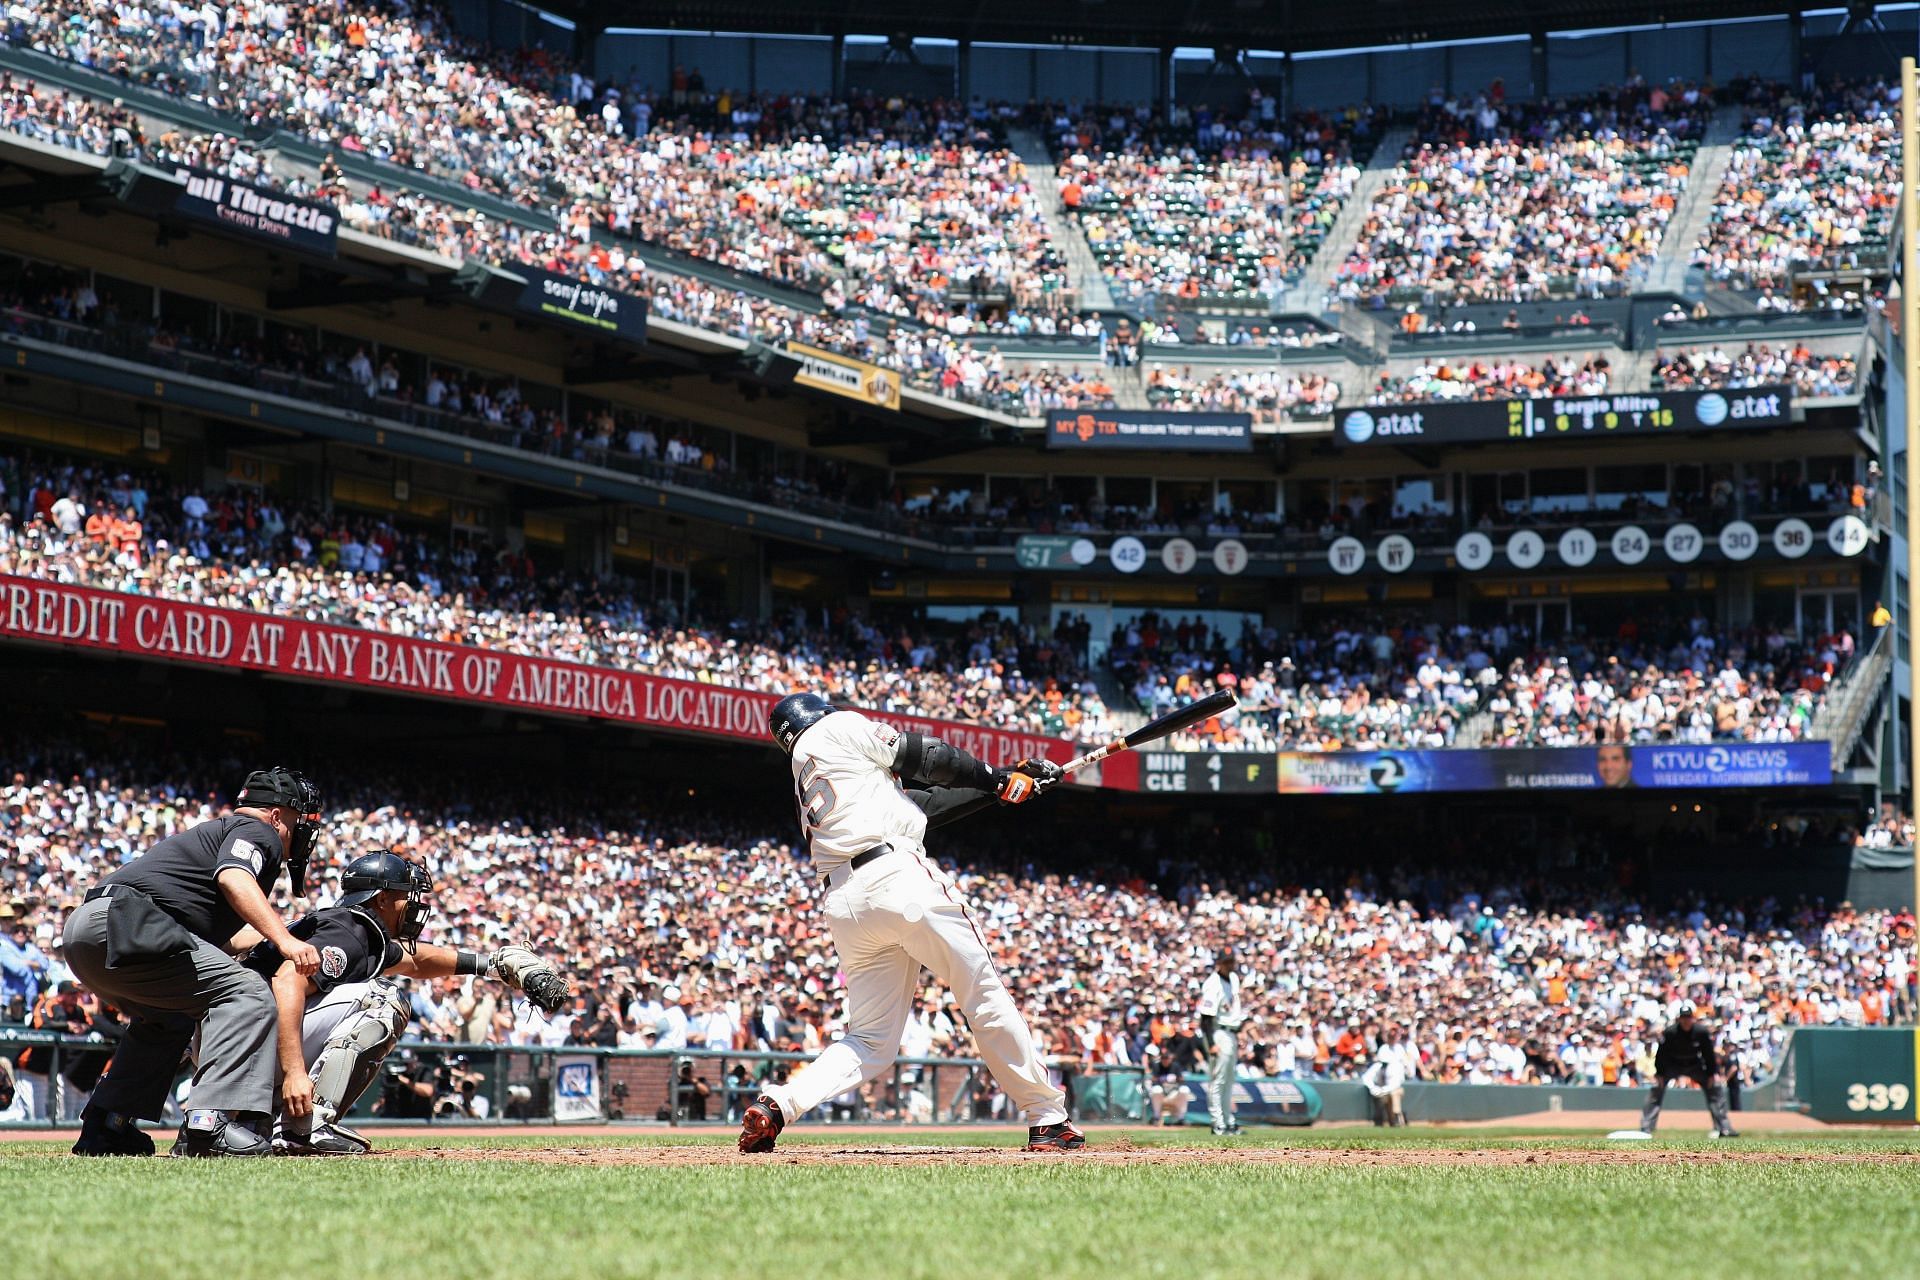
(891, 916)
(1220, 1000)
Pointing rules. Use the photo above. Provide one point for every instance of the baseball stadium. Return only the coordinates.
(1083, 638)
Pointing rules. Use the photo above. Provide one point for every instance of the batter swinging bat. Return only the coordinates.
(1172, 722)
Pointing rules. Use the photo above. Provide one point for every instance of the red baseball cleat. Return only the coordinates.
(1054, 1137)
(761, 1125)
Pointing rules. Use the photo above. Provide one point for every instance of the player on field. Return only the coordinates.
(893, 911)
(337, 1025)
(1686, 1052)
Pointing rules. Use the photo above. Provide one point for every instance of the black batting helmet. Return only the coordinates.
(794, 714)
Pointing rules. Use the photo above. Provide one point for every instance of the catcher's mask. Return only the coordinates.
(382, 871)
(281, 787)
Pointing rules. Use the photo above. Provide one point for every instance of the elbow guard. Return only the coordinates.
(923, 759)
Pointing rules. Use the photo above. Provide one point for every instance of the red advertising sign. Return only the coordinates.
(171, 630)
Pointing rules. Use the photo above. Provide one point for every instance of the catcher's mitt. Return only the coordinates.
(526, 972)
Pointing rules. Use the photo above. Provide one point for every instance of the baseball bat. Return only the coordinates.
(1172, 722)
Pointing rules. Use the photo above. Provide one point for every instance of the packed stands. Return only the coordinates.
(1484, 378)
(1221, 208)
(686, 928)
(870, 321)
(103, 527)
(1268, 394)
(1667, 685)
(1814, 185)
(1505, 202)
(1408, 682)
(1757, 364)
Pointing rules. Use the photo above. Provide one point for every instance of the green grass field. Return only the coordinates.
(1341, 1205)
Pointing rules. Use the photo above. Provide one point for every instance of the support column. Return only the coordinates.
(1909, 344)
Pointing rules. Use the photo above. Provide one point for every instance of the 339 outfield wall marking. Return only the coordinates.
(145, 626)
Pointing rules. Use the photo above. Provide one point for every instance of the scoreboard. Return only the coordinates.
(1170, 771)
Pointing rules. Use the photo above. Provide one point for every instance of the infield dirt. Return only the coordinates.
(1122, 1152)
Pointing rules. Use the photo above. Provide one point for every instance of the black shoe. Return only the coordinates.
(322, 1140)
(108, 1133)
(1055, 1137)
(230, 1138)
(760, 1125)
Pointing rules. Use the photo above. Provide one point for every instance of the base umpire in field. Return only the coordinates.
(1686, 1052)
(153, 938)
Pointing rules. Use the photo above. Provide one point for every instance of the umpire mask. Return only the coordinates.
(284, 788)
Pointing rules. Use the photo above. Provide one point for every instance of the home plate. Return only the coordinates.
(1629, 1135)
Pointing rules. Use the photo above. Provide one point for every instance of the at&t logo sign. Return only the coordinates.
(1362, 425)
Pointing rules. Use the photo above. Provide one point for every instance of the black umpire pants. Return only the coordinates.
(167, 997)
(1716, 1101)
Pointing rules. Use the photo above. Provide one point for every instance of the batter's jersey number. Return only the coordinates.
(816, 799)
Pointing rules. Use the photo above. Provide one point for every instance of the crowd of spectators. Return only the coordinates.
(1814, 184)
(907, 197)
(1210, 205)
(1275, 394)
(1755, 365)
(1891, 828)
(1269, 394)
(99, 526)
(687, 925)
(933, 349)
(1406, 682)
(1339, 682)
(1504, 202)
(1682, 682)
(1496, 379)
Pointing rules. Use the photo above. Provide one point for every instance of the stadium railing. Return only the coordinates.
(529, 1084)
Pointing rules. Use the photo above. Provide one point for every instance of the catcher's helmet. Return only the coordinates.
(371, 874)
(794, 714)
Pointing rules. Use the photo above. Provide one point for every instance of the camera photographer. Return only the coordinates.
(408, 1087)
(460, 1096)
(690, 1095)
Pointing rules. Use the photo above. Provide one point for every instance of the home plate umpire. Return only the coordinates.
(152, 939)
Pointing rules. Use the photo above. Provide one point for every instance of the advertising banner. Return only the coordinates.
(171, 630)
(575, 304)
(1717, 764)
(1263, 1101)
(576, 1088)
(253, 212)
(1640, 413)
(845, 376)
(1107, 429)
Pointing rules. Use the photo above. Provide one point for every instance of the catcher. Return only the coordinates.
(337, 1025)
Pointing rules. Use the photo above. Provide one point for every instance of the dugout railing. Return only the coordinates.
(540, 1085)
